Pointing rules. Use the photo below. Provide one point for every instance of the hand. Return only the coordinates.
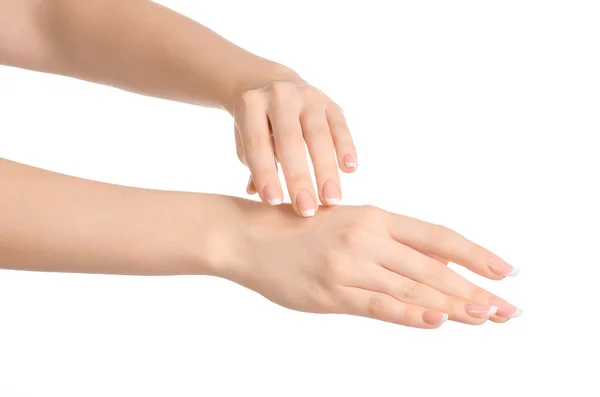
(273, 123)
(367, 262)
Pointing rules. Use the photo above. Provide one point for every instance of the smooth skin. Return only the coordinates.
(351, 260)
(354, 260)
(140, 46)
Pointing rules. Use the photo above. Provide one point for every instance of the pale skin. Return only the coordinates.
(140, 46)
(353, 260)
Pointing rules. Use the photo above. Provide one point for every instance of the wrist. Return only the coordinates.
(215, 236)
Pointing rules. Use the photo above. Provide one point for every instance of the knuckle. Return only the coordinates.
(351, 235)
(369, 214)
(282, 90)
(370, 210)
(315, 97)
(409, 291)
(375, 307)
(250, 97)
(335, 108)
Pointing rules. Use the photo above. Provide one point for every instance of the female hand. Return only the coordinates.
(368, 262)
(273, 123)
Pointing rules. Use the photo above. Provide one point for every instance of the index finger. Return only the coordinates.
(446, 243)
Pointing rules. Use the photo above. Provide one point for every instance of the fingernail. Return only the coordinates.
(271, 193)
(331, 193)
(501, 268)
(517, 313)
(350, 161)
(305, 203)
(505, 309)
(434, 318)
(480, 311)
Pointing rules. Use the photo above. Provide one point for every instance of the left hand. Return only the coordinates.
(273, 124)
(359, 260)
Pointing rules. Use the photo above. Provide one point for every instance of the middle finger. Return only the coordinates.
(291, 150)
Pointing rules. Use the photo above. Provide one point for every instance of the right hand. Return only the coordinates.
(367, 262)
(277, 122)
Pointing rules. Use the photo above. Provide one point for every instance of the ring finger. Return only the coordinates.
(322, 152)
(378, 278)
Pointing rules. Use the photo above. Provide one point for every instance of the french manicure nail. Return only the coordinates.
(434, 317)
(305, 203)
(272, 195)
(480, 311)
(350, 161)
(501, 268)
(517, 313)
(505, 309)
(331, 193)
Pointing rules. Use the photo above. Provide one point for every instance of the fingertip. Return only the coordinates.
(305, 204)
(349, 163)
(500, 267)
(331, 193)
(272, 193)
(434, 318)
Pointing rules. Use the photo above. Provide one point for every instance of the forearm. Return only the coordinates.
(53, 222)
(140, 46)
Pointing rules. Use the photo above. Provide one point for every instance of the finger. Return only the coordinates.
(446, 243)
(499, 320)
(437, 258)
(250, 188)
(344, 146)
(258, 151)
(505, 310)
(239, 148)
(379, 279)
(361, 302)
(322, 152)
(291, 150)
(407, 261)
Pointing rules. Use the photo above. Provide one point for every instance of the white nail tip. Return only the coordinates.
(517, 313)
(350, 164)
(332, 201)
(274, 202)
(444, 317)
(513, 272)
(308, 213)
(492, 311)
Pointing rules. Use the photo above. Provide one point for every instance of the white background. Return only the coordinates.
(483, 116)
